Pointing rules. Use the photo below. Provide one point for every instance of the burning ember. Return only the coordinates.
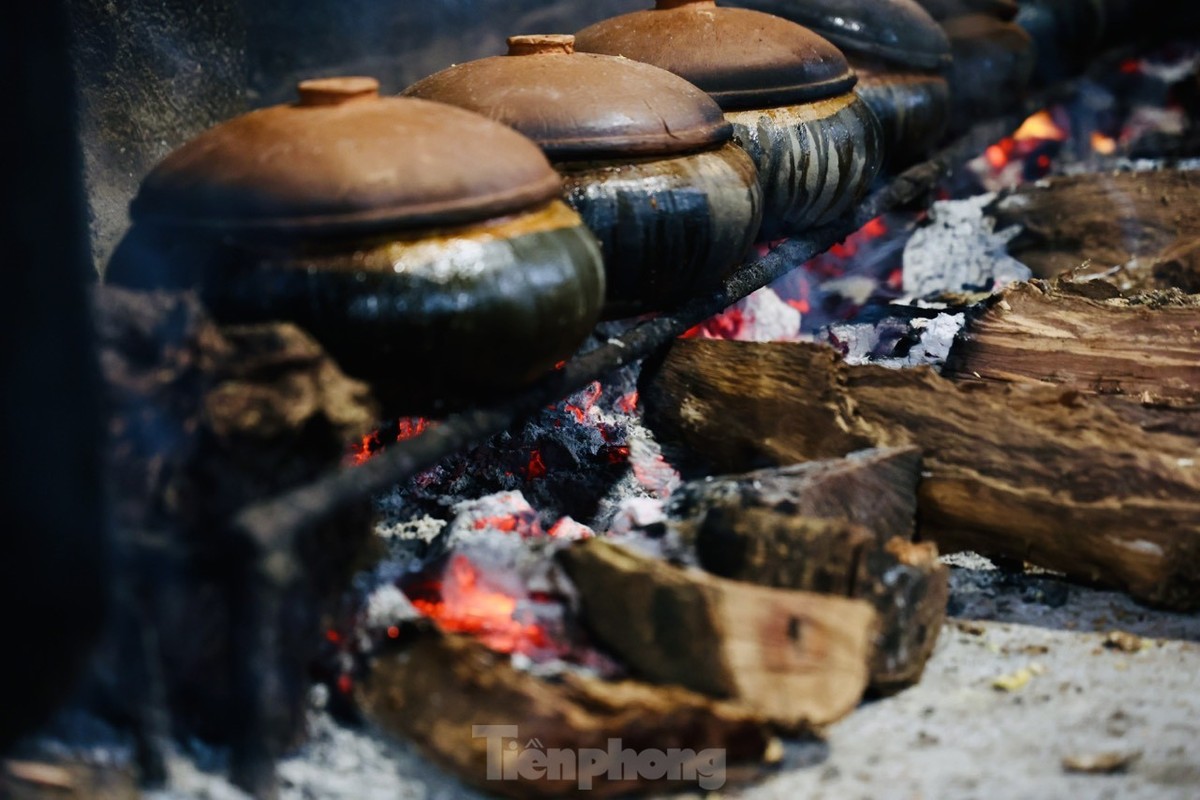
(463, 601)
(829, 288)
(1026, 155)
(369, 445)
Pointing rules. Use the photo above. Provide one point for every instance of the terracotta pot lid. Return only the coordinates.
(948, 9)
(582, 105)
(344, 160)
(742, 58)
(899, 31)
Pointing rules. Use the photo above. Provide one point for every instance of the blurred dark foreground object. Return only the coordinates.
(53, 553)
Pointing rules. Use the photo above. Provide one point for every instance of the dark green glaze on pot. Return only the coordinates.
(993, 61)
(668, 228)
(429, 320)
(814, 160)
(1066, 34)
(912, 107)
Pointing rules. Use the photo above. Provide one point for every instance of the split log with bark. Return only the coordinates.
(1100, 220)
(1041, 474)
(841, 527)
(1145, 346)
(435, 690)
(797, 659)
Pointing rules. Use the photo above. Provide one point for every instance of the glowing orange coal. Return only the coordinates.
(462, 602)
(406, 428)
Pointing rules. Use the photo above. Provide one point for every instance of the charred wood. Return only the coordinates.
(1146, 346)
(1045, 475)
(1099, 221)
(875, 489)
(436, 689)
(204, 421)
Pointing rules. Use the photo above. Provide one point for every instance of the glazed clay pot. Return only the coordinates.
(1065, 33)
(816, 144)
(647, 161)
(424, 246)
(942, 10)
(993, 62)
(899, 53)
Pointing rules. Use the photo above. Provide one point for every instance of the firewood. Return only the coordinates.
(876, 489)
(1146, 346)
(435, 690)
(205, 420)
(905, 582)
(1102, 218)
(1042, 474)
(796, 658)
(1177, 267)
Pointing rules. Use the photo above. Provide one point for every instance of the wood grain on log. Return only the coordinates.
(905, 582)
(1035, 473)
(1146, 347)
(839, 526)
(797, 659)
(1102, 218)
(436, 690)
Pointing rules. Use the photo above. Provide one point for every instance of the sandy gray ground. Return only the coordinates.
(954, 736)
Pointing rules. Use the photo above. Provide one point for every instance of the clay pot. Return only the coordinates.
(942, 10)
(1065, 33)
(424, 246)
(787, 92)
(647, 160)
(899, 53)
(993, 62)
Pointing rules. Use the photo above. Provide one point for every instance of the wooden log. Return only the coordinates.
(876, 488)
(434, 691)
(1041, 474)
(797, 659)
(1177, 267)
(905, 582)
(1146, 346)
(203, 421)
(1102, 218)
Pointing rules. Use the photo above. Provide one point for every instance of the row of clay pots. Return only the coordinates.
(439, 252)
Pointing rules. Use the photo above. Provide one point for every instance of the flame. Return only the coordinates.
(1029, 142)
(1104, 145)
(462, 603)
(1041, 126)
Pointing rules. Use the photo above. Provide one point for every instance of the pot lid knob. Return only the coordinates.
(335, 91)
(541, 44)
(669, 4)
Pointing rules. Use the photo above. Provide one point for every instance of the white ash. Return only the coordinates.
(857, 289)
(960, 250)
(898, 342)
(765, 317)
(638, 513)
(650, 477)
(484, 513)
(387, 606)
